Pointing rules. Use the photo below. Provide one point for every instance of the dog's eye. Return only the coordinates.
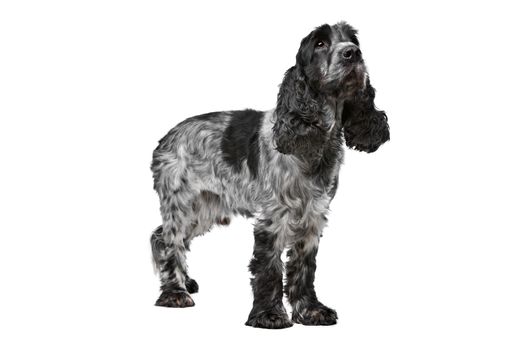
(320, 44)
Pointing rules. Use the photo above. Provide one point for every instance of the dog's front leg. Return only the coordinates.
(267, 283)
(300, 274)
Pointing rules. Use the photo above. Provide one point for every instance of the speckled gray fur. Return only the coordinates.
(281, 168)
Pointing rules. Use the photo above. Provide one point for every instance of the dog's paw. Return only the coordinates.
(273, 319)
(178, 298)
(192, 286)
(315, 315)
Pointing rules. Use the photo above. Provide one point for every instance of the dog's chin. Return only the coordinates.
(351, 81)
(354, 81)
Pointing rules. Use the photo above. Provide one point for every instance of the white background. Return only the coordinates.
(425, 243)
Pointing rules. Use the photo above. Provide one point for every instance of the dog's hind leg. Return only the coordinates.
(158, 249)
(169, 246)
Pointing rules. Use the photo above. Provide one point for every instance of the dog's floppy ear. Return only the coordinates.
(365, 127)
(297, 129)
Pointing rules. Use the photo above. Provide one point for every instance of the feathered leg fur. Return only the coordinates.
(267, 283)
(300, 275)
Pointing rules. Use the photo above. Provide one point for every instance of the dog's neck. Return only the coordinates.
(322, 165)
(333, 113)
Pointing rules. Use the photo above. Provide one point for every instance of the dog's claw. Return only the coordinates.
(272, 319)
(316, 315)
(170, 298)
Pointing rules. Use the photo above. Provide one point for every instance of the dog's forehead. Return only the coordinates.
(339, 32)
(342, 32)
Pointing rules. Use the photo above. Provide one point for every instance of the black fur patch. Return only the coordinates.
(267, 283)
(241, 140)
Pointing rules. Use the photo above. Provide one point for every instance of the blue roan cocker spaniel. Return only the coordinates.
(280, 166)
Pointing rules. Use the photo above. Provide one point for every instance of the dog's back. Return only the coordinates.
(214, 152)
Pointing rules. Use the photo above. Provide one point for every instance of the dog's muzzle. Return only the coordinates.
(351, 54)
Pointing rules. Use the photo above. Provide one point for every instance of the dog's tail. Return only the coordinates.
(157, 247)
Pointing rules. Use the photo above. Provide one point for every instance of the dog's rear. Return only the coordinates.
(191, 170)
(181, 158)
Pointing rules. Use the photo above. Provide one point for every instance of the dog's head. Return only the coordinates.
(331, 61)
(329, 67)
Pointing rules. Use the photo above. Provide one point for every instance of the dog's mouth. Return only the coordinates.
(356, 76)
(354, 71)
(347, 79)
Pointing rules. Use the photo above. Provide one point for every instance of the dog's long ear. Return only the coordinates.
(365, 127)
(297, 129)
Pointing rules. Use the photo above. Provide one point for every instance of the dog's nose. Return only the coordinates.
(352, 53)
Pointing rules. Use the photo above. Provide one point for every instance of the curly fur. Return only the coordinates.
(280, 166)
(365, 127)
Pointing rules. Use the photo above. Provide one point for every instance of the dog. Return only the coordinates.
(280, 166)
